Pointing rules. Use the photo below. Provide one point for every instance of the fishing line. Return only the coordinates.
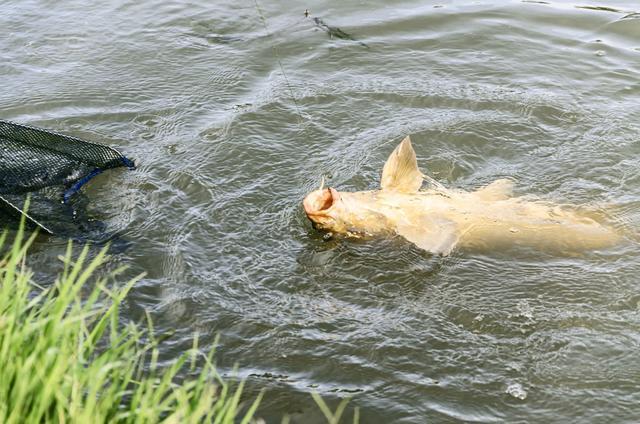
(275, 51)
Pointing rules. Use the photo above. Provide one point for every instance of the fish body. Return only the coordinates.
(335, 32)
(439, 220)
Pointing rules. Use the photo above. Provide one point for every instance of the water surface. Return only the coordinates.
(233, 121)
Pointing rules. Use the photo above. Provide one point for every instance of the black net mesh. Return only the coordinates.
(48, 166)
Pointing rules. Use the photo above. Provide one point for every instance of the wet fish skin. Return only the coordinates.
(439, 220)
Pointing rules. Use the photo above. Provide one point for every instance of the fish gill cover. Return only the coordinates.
(48, 167)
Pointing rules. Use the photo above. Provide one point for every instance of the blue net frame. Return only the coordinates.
(34, 159)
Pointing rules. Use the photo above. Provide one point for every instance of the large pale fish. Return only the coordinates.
(439, 220)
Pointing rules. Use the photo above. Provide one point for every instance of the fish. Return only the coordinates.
(440, 220)
(335, 32)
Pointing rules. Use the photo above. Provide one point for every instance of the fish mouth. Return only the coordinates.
(320, 201)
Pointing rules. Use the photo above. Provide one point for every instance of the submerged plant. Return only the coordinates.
(66, 357)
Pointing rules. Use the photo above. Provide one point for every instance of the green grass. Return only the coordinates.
(66, 357)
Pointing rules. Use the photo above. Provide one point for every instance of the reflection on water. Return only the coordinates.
(545, 93)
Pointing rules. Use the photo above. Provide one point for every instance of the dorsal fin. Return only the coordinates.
(501, 189)
(400, 172)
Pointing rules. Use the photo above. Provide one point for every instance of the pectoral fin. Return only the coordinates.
(501, 189)
(400, 172)
(438, 236)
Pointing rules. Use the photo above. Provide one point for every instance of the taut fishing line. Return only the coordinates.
(275, 51)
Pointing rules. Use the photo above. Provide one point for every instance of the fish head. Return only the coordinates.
(353, 214)
(363, 213)
(324, 209)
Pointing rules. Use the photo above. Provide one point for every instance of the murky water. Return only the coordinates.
(227, 147)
